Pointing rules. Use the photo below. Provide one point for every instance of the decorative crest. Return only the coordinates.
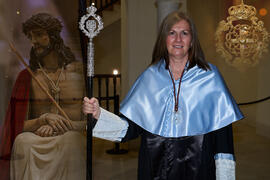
(242, 38)
(242, 11)
(90, 24)
(91, 10)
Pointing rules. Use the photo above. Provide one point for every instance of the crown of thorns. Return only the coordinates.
(44, 21)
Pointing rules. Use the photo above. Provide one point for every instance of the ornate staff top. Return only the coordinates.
(90, 24)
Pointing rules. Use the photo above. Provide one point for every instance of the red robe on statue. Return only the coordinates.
(14, 120)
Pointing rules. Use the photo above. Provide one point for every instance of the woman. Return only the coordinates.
(181, 108)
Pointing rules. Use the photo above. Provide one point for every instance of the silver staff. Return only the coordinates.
(90, 24)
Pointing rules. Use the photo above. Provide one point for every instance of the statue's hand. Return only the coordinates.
(59, 124)
(45, 131)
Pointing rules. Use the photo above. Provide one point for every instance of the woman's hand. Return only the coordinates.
(91, 106)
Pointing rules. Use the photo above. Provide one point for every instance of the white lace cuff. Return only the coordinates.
(110, 126)
(225, 169)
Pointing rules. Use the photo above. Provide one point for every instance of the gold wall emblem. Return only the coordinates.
(242, 39)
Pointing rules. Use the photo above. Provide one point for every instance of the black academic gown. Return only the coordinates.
(184, 158)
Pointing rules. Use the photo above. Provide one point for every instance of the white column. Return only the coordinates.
(138, 35)
(164, 7)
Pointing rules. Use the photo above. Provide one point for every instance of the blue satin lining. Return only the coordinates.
(205, 103)
(224, 156)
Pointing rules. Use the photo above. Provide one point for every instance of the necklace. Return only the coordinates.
(176, 97)
(54, 86)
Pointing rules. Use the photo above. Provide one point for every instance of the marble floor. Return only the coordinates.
(252, 155)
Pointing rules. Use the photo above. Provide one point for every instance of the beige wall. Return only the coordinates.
(263, 109)
(139, 24)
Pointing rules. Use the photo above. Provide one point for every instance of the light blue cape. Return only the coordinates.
(205, 103)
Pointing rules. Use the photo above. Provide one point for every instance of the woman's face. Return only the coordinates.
(179, 40)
